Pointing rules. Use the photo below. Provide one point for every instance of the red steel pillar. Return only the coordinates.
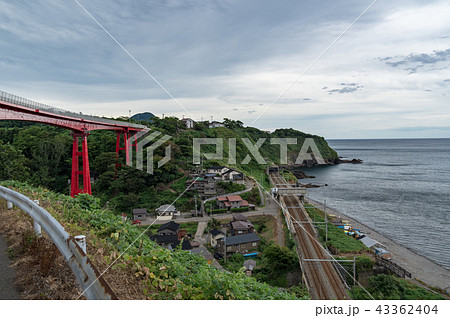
(125, 146)
(85, 172)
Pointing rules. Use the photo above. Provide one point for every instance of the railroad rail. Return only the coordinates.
(321, 277)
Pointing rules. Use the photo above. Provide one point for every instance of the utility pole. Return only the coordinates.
(326, 219)
(354, 271)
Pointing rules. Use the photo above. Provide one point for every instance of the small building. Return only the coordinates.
(241, 227)
(215, 235)
(140, 214)
(216, 124)
(238, 244)
(232, 202)
(233, 175)
(188, 123)
(249, 265)
(383, 253)
(169, 228)
(216, 170)
(170, 236)
(167, 209)
(370, 243)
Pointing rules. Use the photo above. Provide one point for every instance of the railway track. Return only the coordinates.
(321, 276)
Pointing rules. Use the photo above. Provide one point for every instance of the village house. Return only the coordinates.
(216, 124)
(169, 236)
(249, 265)
(216, 170)
(188, 123)
(243, 244)
(206, 184)
(140, 214)
(232, 202)
(215, 235)
(168, 210)
(233, 175)
(240, 225)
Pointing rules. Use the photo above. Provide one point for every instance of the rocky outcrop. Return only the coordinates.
(354, 161)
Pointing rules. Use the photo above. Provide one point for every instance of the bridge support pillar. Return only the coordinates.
(76, 172)
(125, 147)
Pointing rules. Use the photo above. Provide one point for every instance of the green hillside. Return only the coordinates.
(163, 274)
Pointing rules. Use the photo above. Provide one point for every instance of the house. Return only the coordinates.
(249, 265)
(188, 123)
(215, 235)
(140, 214)
(216, 124)
(238, 244)
(169, 228)
(217, 170)
(241, 227)
(204, 184)
(167, 209)
(233, 175)
(171, 242)
(232, 202)
(170, 236)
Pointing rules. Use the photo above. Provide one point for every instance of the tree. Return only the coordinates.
(12, 163)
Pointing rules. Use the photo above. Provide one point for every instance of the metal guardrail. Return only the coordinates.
(14, 99)
(91, 282)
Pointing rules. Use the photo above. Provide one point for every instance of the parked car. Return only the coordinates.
(136, 222)
(218, 256)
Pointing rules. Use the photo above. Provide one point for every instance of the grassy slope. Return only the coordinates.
(164, 274)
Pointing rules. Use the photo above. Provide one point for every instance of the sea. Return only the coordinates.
(401, 190)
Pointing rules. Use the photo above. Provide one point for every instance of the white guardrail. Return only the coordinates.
(91, 282)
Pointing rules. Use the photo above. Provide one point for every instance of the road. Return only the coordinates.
(7, 289)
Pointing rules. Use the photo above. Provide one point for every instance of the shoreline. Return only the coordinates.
(421, 267)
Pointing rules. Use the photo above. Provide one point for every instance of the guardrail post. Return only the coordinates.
(9, 205)
(81, 241)
(37, 229)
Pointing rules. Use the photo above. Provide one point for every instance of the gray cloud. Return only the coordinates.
(347, 89)
(413, 62)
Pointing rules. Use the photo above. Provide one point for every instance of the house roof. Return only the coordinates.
(244, 203)
(166, 208)
(250, 264)
(165, 238)
(228, 171)
(234, 198)
(239, 217)
(216, 232)
(241, 225)
(241, 239)
(169, 225)
(139, 211)
(367, 241)
(186, 119)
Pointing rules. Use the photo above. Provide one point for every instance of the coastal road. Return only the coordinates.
(322, 278)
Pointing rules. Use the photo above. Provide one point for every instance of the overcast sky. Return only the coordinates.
(387, 76)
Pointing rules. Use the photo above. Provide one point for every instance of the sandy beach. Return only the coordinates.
(420, 267)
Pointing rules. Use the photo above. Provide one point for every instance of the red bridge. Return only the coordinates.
(17, 108)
